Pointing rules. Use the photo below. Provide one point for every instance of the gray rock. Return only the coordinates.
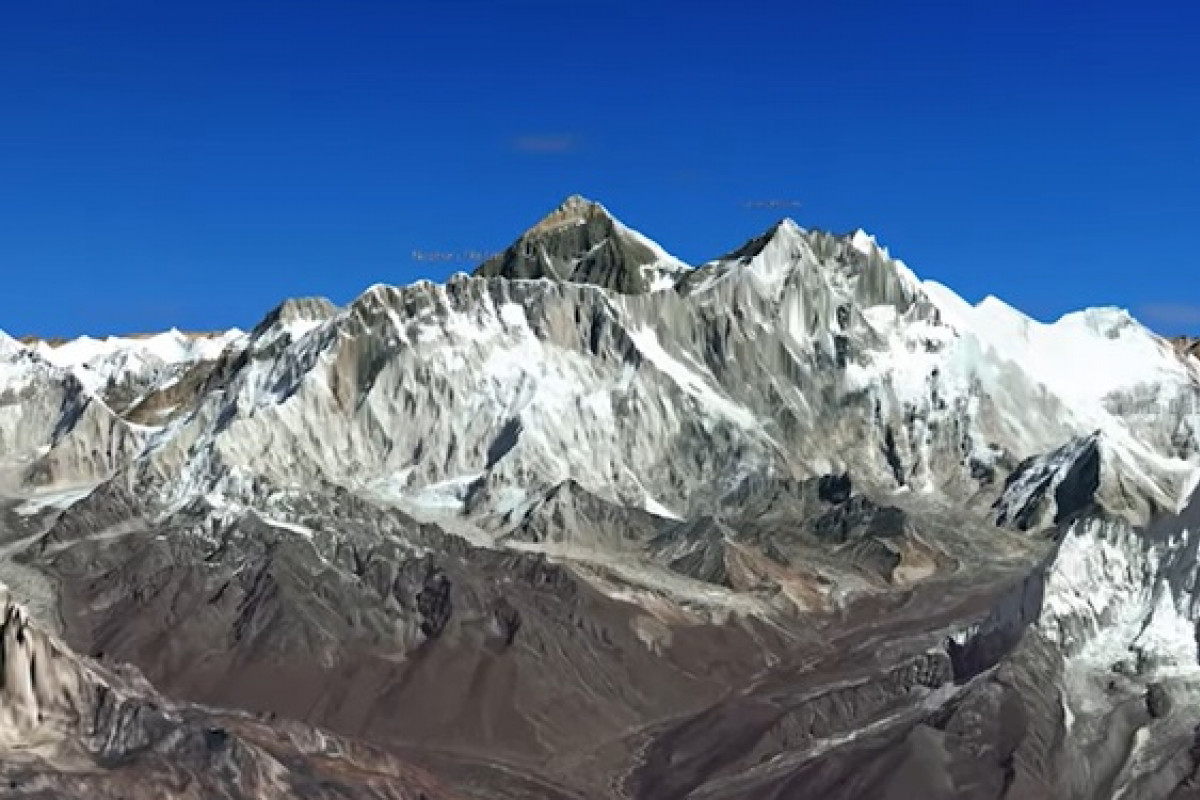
(1158, 700)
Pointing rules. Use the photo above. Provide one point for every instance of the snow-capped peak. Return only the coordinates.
(292, 319)
(541, 369)
(581, 242)
(863, 242)
(9, 346)
(96, 362)
(850, 269)
(1084, 356)
(788, 226)
(575, 210)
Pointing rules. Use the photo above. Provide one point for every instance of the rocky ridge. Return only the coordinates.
(791, 521)
(1188, 344)
(581, 242)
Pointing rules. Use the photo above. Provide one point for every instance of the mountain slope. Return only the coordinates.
(1188, 345)
(554, 530)
(71, 726)
(763, 365)
(581, 242)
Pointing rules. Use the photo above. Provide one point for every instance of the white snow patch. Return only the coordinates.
(513, 314)
(1083, 357)
(59, 499)
(299, 328)
(95, 362)
(1169, 637)
(448, 495)
(300, 530)
(658, 509)
(863, 242)
(646, 340)
(660, 280)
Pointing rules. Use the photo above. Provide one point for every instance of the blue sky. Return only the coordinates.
(193, 163)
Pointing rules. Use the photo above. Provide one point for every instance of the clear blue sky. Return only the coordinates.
(193, 163)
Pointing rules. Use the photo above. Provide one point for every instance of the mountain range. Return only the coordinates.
(592, 522)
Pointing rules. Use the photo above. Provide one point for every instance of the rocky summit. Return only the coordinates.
(595, 523)
(1188, 345)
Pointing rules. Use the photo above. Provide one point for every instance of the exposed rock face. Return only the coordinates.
(580, 242)
(592, 524)
(1158, 700)
(1064, 481)
(53, 431)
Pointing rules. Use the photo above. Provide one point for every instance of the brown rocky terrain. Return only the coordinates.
(79, 727)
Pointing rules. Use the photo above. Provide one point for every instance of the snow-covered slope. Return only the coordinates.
(53, 430)
(1112, 374)
(100, 362)
(64, 407)
(793, 429)
(799, 354)
(1101, 360)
